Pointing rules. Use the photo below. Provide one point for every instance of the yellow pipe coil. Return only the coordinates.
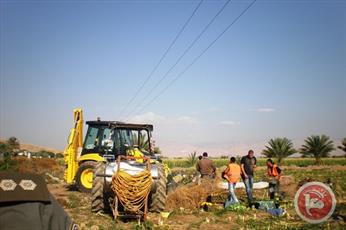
(132, 190)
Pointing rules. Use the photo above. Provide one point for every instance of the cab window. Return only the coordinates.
(144, 144)
(92, 139)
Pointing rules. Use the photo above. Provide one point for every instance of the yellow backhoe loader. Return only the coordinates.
(79, 164)
(110, 150)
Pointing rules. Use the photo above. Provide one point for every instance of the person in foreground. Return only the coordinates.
(25, 203)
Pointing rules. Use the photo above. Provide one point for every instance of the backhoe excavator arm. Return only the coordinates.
(75, 142)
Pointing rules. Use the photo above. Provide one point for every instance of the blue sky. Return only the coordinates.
(279, 71)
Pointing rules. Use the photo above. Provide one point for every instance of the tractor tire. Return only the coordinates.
(84, 176)
(158, 199)
(99, 197)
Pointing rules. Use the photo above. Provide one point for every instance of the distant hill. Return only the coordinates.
(37, 148)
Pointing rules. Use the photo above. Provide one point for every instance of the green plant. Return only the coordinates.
(279, 148)
(13, 143)
(4, 147)
(192, 159)
(59, 155)
(300, 162)
(343, 145)
(237, 208)
(6, 163)
(147, 225)
(317, 146)
(10, 145)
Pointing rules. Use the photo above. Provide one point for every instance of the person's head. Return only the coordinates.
(270, 162)
(250, 153)
(232, 160)
(205, 154)
(200, 157)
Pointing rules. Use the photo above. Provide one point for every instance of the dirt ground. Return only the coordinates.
(185, 212)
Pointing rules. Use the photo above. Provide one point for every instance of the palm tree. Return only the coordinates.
(192, 159)
(343, 145)
(317, 146)
(279, 148)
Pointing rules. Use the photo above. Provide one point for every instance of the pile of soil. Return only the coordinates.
(191, 196)
(288, 186)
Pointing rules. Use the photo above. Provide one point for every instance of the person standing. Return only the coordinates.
(274, 174)
(232, 175)
(206, 167)
(198, 174)
(248, 164)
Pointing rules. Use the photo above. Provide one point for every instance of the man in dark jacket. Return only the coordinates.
(248, 164)
(206, 167)
(25, 203)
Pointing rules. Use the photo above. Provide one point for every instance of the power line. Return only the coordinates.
(161, 59)
(198, 57)
(181, 56)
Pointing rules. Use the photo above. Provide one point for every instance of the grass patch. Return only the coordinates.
(147, 225)
(236, 208)
(73, 201)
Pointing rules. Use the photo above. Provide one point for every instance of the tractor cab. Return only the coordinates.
(105, 141)
(117, 138)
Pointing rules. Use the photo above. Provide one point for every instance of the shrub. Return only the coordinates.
(192, 159)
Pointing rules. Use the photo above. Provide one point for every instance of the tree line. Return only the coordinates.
(317, 146)
(11, 147)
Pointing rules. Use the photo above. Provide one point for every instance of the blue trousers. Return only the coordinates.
(248, 187)
(231, 189)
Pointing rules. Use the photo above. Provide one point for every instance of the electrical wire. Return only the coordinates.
(161, 59)
(180, 57)
(196, 58)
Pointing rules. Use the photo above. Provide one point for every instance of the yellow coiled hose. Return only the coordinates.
(132, 190)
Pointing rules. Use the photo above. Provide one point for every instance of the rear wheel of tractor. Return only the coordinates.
(158, 199)
(84, 176)
(99, 197)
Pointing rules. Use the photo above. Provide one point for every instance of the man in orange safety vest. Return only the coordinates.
(274, 173)
(232, 175)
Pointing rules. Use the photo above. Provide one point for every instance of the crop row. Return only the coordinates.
(219, 162)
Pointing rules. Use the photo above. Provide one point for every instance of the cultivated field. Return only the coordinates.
(183, 203)
(300, 162)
